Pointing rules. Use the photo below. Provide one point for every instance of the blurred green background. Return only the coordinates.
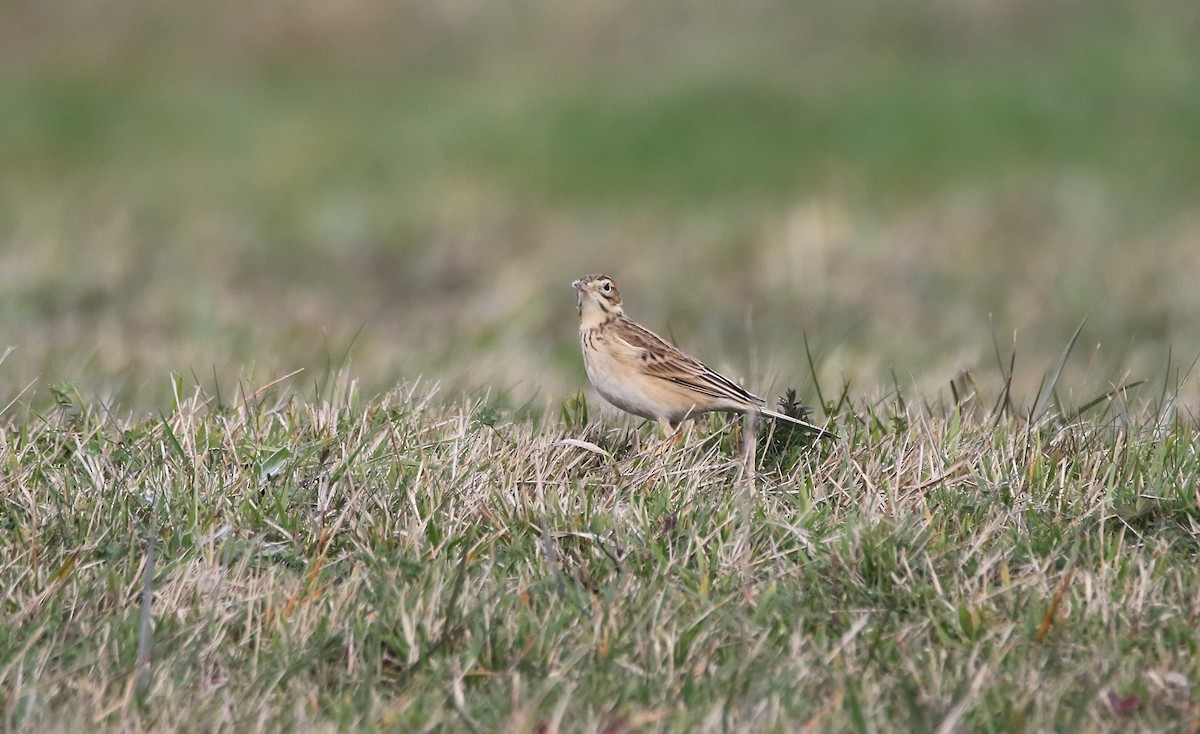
(229, 191)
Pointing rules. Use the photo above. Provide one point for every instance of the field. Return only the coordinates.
(294, 430)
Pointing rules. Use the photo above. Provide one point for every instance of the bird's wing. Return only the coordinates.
(657, 358)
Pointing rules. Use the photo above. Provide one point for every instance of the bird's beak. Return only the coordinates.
(578, 285)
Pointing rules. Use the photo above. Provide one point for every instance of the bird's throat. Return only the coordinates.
(593, 314)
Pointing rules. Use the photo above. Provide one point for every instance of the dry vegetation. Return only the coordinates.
(268, 561)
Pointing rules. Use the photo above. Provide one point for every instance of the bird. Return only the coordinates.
(641, 373)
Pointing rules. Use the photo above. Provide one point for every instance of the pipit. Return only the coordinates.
(641, 373)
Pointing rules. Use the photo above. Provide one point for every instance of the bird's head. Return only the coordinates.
(599, 298)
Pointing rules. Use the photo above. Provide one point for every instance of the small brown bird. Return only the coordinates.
(640, 373)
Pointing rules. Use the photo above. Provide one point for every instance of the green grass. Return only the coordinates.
(406, 563)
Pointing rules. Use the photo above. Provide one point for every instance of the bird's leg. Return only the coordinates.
(749, 448)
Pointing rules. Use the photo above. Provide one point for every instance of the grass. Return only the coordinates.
(410, 563)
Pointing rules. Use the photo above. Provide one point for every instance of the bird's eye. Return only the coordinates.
(607, 287)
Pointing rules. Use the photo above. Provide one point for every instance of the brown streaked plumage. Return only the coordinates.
(641, 373)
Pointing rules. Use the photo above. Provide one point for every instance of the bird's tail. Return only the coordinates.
(821, 432)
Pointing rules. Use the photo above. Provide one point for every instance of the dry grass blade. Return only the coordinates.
(585, 445)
